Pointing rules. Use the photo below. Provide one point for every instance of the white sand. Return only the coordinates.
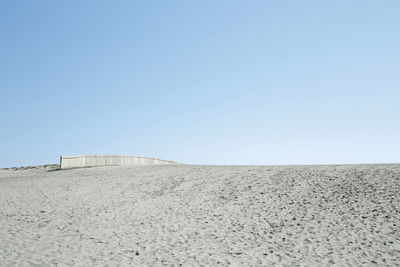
(201, 216)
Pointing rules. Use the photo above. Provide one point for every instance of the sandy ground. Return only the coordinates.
(201, 216)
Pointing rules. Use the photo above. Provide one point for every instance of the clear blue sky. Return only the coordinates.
(204, 82)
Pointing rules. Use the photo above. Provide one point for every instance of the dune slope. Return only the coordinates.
(201, 215)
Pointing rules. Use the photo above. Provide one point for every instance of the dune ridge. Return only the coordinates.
(201, 215)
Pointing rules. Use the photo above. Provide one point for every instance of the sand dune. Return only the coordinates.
(201, 216)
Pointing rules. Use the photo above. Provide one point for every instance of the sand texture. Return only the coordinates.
(344, 215)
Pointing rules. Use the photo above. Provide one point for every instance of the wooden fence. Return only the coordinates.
(67, 162)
